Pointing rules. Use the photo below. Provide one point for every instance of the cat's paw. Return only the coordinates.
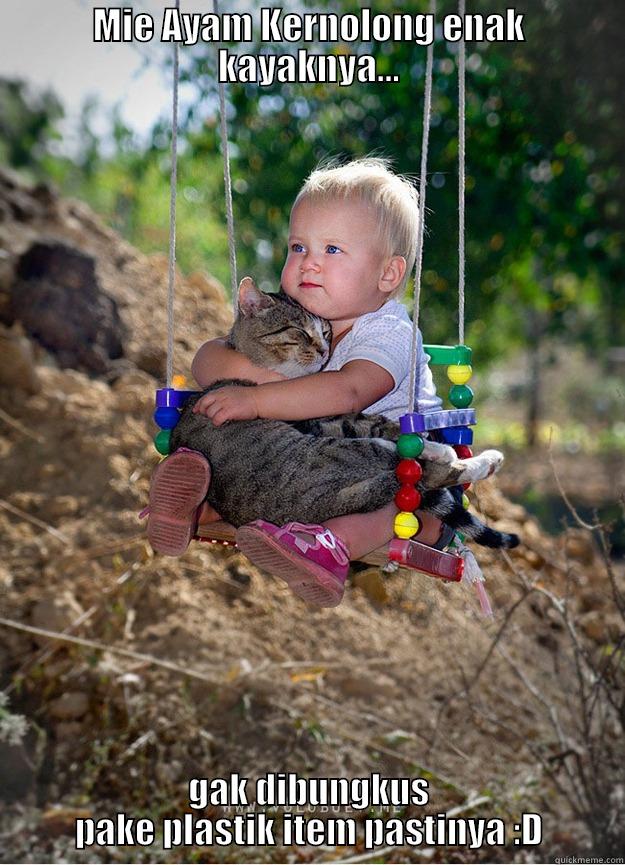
(493, 461)
(437, 452)
(482, 466)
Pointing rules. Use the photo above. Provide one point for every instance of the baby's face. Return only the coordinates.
(335, 261)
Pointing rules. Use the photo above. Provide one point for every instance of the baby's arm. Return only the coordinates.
(354, 387)
(215, 360)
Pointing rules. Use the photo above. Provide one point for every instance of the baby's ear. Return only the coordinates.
(251, 298)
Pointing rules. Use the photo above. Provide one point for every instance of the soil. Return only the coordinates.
(225, 671)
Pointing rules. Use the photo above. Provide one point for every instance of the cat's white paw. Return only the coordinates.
(494, 460)
(437, 452)
(385, 443)
(482, 466)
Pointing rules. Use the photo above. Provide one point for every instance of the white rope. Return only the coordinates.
(461, 175)
(415, 366)
(172, 218)
(225, 150)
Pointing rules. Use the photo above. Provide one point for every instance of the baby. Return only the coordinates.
(351, 249)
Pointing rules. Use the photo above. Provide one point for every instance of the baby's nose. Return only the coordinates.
(310, 262)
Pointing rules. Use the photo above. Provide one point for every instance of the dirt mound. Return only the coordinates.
(93, 266)
(202, 666)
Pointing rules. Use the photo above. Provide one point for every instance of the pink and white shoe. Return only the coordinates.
(310, 559)
(178, 488)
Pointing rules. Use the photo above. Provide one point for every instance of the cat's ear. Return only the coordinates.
(251, 298)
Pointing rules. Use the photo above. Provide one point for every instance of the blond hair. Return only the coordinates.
(369, 180)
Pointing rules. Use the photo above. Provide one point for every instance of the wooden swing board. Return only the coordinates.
(224, 533)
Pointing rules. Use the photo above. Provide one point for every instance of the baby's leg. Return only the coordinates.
(363, 533)
(207, 514)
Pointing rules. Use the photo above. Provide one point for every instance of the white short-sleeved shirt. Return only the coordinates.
(385, 337)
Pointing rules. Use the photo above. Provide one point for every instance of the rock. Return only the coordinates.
(18, 368)
(60, 303)
(591, 598)
(6, 578)
(70, 706)
(372, 583)
(364, 685)
(59, 821)
(62, 506)
(119, 467)
(594, 626)
(68, 730)
(153, 360)
(579, 545)
(17, 772)
(134, 393)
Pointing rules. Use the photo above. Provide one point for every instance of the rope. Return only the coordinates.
(461, 176)
(223, 131)
(172, 217)
(415, 366)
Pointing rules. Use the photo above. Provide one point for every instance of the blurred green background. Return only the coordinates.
(545, 194)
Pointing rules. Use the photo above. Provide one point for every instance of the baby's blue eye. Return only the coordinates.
(332, 249)
(297, 247)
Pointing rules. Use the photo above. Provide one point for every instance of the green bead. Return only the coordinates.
(161, 441)
(409, 445)
(460, 395)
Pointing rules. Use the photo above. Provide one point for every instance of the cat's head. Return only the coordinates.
(276, 332)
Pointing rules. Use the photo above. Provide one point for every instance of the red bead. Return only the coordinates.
(463, 451)
(408, 498)
(465, 486)
(408, 472)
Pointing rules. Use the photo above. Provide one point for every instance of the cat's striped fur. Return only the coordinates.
(313, 470)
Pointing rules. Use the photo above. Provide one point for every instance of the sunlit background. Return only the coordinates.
(545, 180)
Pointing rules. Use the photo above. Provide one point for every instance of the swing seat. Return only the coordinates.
(409, 554)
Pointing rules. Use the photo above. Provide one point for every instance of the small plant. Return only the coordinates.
(13, 728)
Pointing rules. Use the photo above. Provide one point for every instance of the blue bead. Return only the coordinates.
(457, 435)
(166, 417)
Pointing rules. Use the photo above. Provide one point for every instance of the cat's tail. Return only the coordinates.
(444, 506)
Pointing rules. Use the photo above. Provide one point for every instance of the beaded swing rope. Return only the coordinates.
(453, 424)
(169, 400)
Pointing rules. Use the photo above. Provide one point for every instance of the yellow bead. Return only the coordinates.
(179, 382)
(460, 373)
(406, 525)
(465, 501)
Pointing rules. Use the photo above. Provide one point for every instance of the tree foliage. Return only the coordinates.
(545, 175)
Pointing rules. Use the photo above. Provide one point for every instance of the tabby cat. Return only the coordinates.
(313, 470)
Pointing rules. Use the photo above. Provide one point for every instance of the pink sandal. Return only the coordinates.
(178, 488)
(315, 569)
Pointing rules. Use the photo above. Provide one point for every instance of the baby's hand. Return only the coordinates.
(228, 403)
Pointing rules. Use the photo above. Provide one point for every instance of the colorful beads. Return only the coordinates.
(459, 374)
(408, 472)
(409, 445)
(161, 441)
(460, 396)
(463, 452)
(408, 498)
(166, 417)
(458, 435)
(406, 525)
